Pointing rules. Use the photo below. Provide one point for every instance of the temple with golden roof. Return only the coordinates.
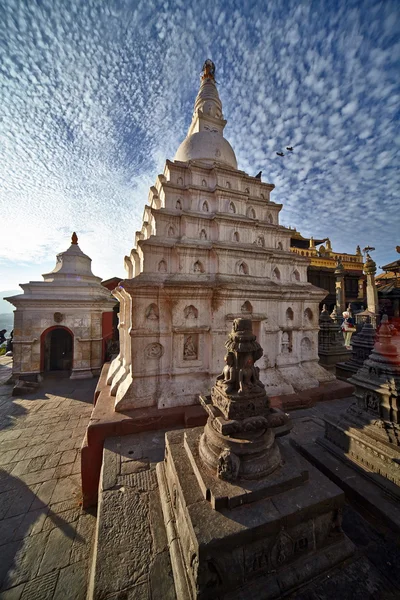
(323, 261)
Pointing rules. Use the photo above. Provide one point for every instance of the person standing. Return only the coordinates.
(348, 328)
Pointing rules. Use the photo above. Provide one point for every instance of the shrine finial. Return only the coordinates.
(208, 70)
(74, 239)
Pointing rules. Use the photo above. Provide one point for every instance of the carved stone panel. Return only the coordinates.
(154, 350)
(190, 347)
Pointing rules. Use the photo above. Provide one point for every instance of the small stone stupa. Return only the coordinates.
(361, 347)
(246, 516)
(331, 347)
(368, 433)
(372, 311)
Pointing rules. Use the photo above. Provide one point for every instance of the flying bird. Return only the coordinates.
(280, 154)
(290, 148)
(258, 176)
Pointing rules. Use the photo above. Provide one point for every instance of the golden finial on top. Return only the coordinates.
(208, 70)
(74, 239)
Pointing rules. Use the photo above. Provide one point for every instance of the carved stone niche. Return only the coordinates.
(210, 473)
(191, 312)
(152, 313)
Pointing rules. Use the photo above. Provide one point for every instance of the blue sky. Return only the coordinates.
(96, 95)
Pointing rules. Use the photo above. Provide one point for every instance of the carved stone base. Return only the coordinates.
(329, 358)
(345, 370)
(264, 546)
(370, 444)
(250, 454)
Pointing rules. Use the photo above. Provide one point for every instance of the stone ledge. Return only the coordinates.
(349, 477)
(105, 422)
(333, 390)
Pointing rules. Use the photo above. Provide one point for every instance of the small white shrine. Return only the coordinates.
(61, 324)
(211, 250)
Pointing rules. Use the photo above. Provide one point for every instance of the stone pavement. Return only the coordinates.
(45, 537)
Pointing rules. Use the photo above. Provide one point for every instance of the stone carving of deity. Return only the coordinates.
(197, 267)
(152, 313)
(228, 466)
(260, 241)
(189, 349)
(162, 266)
(282, 550)
(248, 376)
(227, 379)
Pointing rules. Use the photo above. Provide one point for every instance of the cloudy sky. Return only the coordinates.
(95, 96)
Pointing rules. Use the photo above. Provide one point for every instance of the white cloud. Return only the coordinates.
(96, 97)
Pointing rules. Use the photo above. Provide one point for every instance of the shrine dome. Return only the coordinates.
(72, 264)
(208, 147)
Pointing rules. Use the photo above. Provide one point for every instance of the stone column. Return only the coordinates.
(372, 294)
(339, 286)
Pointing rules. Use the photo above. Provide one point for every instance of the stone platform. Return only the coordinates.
(130, 517)
(106, 422)
(264, 537)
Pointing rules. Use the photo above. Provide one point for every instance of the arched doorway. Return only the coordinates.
(57, 349)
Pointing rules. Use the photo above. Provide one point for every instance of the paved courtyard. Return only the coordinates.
(45, 536)
(46, 539)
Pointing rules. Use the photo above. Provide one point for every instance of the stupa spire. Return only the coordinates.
(204, 140)
(207, 114)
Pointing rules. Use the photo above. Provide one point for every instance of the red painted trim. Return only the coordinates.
(43, 337)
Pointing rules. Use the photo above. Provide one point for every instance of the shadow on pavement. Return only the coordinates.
(25, 526)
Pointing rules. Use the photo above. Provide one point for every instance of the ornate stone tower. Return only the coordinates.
(245, 516)
(211, 250)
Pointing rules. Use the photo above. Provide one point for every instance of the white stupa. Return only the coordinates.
(210, 250)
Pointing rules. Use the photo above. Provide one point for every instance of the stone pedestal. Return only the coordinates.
(246, 517)
(266, 537)
(362, 345)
